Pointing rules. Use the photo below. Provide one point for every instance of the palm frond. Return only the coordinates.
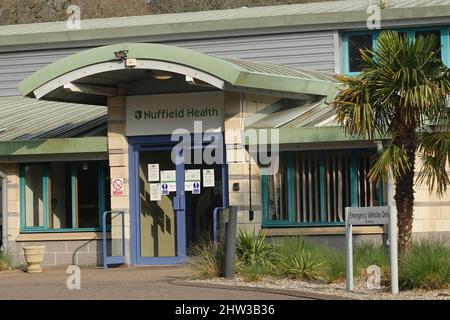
(434, 152)
(390, 158)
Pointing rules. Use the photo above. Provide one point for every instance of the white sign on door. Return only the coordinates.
(168, 175)
(192, 175)
(153, 172)
(208, 178)
(155, 191)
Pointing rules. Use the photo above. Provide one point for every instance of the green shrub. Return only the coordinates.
(207, 260)
(5, 261)
(427, 266)
(255, 272)
(253, 249)
(295, 258)
(333, 268)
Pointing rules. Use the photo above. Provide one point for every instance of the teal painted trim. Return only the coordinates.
(101, 192)
(445, 41)
(322, 187)
(46, 195)
(291, 187)
(65, 230)
(380, 192)
(22, 196)
(22, 215)
(312, 224)
(346, 53)
(73, 185)
(264, 197)
(354, 181)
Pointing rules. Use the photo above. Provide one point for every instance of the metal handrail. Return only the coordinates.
(113, 259)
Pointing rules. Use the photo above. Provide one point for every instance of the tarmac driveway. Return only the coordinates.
(148, 283)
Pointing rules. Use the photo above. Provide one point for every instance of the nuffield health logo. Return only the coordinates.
(138, 115)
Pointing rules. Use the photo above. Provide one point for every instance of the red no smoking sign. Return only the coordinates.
(117, 187)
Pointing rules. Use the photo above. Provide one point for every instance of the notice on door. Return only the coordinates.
(192, 175)
(155, 191)
(153, 172)
(117, 187)
(208, 178)
(168, 176)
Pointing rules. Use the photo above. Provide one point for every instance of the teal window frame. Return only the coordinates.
(45, 184)
(354, 196)
(445, 43)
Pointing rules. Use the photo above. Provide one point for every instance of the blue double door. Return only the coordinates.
(172, 204)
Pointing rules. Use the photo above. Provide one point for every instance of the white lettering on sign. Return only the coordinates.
(368, 216)
(117, 187)
(163, 113)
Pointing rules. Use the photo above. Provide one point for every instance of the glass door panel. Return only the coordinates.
(158, 219)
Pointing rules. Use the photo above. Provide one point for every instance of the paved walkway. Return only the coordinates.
(120, 283)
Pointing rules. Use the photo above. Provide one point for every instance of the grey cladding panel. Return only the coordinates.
(312, 50)
(16, 66)
(302, 50)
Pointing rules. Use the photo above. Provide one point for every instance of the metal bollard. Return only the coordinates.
(230, 243)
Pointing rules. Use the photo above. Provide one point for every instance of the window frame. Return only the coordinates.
(445, 43)
(354, 196)
(46, 184)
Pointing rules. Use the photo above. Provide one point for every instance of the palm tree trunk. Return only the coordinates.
(404, 191)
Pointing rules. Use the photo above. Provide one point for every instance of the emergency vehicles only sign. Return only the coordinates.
(368, 216)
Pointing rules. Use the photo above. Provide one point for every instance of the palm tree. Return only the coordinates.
(401, 97)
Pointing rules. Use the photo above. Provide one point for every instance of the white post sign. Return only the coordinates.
(363, 216)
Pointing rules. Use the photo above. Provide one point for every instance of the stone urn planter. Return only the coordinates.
(33, 257)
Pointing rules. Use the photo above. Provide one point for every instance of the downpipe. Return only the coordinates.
(4, 211)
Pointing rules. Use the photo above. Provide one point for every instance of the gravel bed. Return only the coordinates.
(360, 292)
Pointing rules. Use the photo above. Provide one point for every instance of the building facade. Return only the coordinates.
(231, 79)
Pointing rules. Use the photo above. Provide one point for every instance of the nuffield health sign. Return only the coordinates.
(164, 113)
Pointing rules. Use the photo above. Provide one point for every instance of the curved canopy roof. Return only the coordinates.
(231, 73)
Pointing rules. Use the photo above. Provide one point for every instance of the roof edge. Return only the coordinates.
(328, 19)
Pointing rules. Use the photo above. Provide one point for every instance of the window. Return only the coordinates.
(277, 186)
(356, 43)
(436, 33)
(63, 196)
(353, 42)
(34, 196)
(314, 187)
